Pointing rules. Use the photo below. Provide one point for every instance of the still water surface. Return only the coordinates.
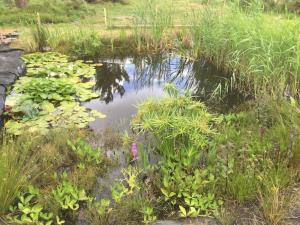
(124, 83)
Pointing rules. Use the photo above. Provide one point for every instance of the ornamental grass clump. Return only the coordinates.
(176, 118)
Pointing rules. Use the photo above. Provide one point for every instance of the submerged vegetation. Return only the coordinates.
(183, 159)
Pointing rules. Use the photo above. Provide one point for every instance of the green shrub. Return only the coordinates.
(85, 153)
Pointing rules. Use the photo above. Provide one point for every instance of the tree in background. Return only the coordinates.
(21, 3)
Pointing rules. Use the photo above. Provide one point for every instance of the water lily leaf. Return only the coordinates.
(47, 96)
(47, 107)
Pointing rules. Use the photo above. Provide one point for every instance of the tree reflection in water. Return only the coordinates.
(116, 76)
(109, 80)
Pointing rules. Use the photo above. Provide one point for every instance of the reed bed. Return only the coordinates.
(263, 51)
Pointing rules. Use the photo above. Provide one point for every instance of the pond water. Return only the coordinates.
(124, 83)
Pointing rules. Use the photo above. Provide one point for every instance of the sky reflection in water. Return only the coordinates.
(124, 83)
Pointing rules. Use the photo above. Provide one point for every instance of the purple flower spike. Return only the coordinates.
(134, 151)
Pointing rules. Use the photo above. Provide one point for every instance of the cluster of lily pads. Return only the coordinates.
(50, 95)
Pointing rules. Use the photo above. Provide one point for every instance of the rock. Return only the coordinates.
(11, 67)
(2, 90)
(2, 103)
(7, 78)
(10, 62)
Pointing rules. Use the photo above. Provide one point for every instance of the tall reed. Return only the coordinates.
(152, 21)
(40, 35)
(262, 49)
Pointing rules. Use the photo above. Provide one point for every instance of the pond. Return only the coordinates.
(126, 82)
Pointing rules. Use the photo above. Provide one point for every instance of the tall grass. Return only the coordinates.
(40, 34)
(264, 50)
(16, 168)
(152, 21)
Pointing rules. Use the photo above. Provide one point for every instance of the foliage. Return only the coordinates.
(85, 152)
(261, 51)
(87, 46)
(260, 148)
(16, 166)
(51, 11)
(47, 90)
(102, 207)
(27, 160)
(68, 195)
(27, 210)
(186, 187)
(128, 187)
(133, 200)
(149, 216)
(53, 64)
(252, 152)
(67, 115)
(176, 119)
(152, 21)
(182, 128)
(48, 96)
(40, 34)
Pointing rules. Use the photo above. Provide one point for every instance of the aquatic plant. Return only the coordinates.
(176, 119)
(187, 187)
(85, 152)
(182, 129)
(48, 97)
(149, 216)
(128, 187)
(69, 196)
(27, 210)
(40, 34)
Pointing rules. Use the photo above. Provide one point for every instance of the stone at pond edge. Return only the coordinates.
(2, 103)
(11, 67)
(7, 79)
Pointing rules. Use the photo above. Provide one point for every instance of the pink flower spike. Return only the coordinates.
(134, 152)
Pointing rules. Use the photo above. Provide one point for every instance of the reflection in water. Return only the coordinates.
(109, 80)
(127, 82)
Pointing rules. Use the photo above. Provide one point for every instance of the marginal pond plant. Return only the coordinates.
(249, 156)
(182, 130)
(42, 183)
(27, 210)
(49, 96)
